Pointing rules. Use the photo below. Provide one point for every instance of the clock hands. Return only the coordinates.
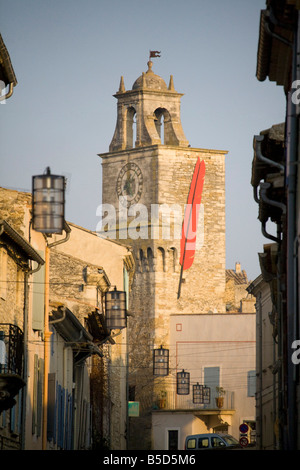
(129, 185)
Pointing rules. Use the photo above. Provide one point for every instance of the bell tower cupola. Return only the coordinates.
(148, 114)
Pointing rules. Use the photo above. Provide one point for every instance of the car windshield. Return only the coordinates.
(230, 440)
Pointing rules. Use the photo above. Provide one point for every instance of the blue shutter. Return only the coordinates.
(35, 393)
(212, 380)
(13, 419)
(20, 411)
(51, 406)
(40, 396)
(59, 415)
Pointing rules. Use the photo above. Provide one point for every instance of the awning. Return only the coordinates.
(267, 177)
(7, 233)
(73, 332)
(274, 52)
(7, 73)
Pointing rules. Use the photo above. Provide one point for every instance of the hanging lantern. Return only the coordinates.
(206, 395)
(160, 362)
(198, 394)
(183, 383)
(115, 309)
(48, 203)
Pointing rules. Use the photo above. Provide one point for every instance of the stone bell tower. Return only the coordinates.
(147, 175)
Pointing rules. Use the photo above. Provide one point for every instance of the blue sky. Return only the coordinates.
(69, 55)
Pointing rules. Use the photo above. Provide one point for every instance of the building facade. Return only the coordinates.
(267, 364)
(70, 369)
(16, 259)
(150, 166)
(275, 182)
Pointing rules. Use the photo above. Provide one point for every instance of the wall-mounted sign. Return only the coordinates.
(133, 408)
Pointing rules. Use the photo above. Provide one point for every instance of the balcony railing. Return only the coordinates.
(173, 401)
(11, 349)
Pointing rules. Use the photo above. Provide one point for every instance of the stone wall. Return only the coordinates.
(14, 208)
(11, 290)
(167, 172)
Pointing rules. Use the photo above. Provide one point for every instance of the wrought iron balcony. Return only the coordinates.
(11, 364)
(173, 401)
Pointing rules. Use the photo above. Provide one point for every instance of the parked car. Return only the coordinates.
(211, 441)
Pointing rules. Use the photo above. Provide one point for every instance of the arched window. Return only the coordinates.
(130, 127)
(161, 259)
(150, 259)
(143, 261)
(159, 123)
(164, 127)
(173, 259)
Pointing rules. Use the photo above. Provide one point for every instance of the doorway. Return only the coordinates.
(172, 439)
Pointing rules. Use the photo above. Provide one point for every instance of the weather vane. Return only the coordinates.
(154, 54)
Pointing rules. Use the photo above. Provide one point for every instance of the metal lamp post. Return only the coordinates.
(160, 362)
(198, 394)
(206, 395)
(48, 217)
(115, 309)
(183, 383)
(48, 203)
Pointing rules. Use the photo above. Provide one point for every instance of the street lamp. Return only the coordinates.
(198, 394)
(48, 201)
(160, 362)
(206, 395)
(48, 217)
(183, 383)
(115, 309)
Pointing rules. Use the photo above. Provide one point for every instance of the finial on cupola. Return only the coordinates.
(122, 86)
(171, 84)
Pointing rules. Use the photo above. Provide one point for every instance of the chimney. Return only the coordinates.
(237, 267)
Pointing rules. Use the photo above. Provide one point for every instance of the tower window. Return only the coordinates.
(130, 128)
(163, 124)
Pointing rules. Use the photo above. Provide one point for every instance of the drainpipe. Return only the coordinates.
(9, 93)
(292, 150)
(263, 193)
(261, 157)
(260, 368)
(25, 319)
(264, 187)
(47, 332)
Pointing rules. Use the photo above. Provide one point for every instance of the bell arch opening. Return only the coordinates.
(164, 126)
(130, 128)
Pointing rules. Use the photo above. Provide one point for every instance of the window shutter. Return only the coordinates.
(51, 406)
(61, 416)
(251, 383)
(126, 285)
(40, 396)
(34, 398)
(3, 273)
(13, 419)
(212, 380)
(20, 401)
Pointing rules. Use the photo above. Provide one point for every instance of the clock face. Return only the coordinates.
(130, 184)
